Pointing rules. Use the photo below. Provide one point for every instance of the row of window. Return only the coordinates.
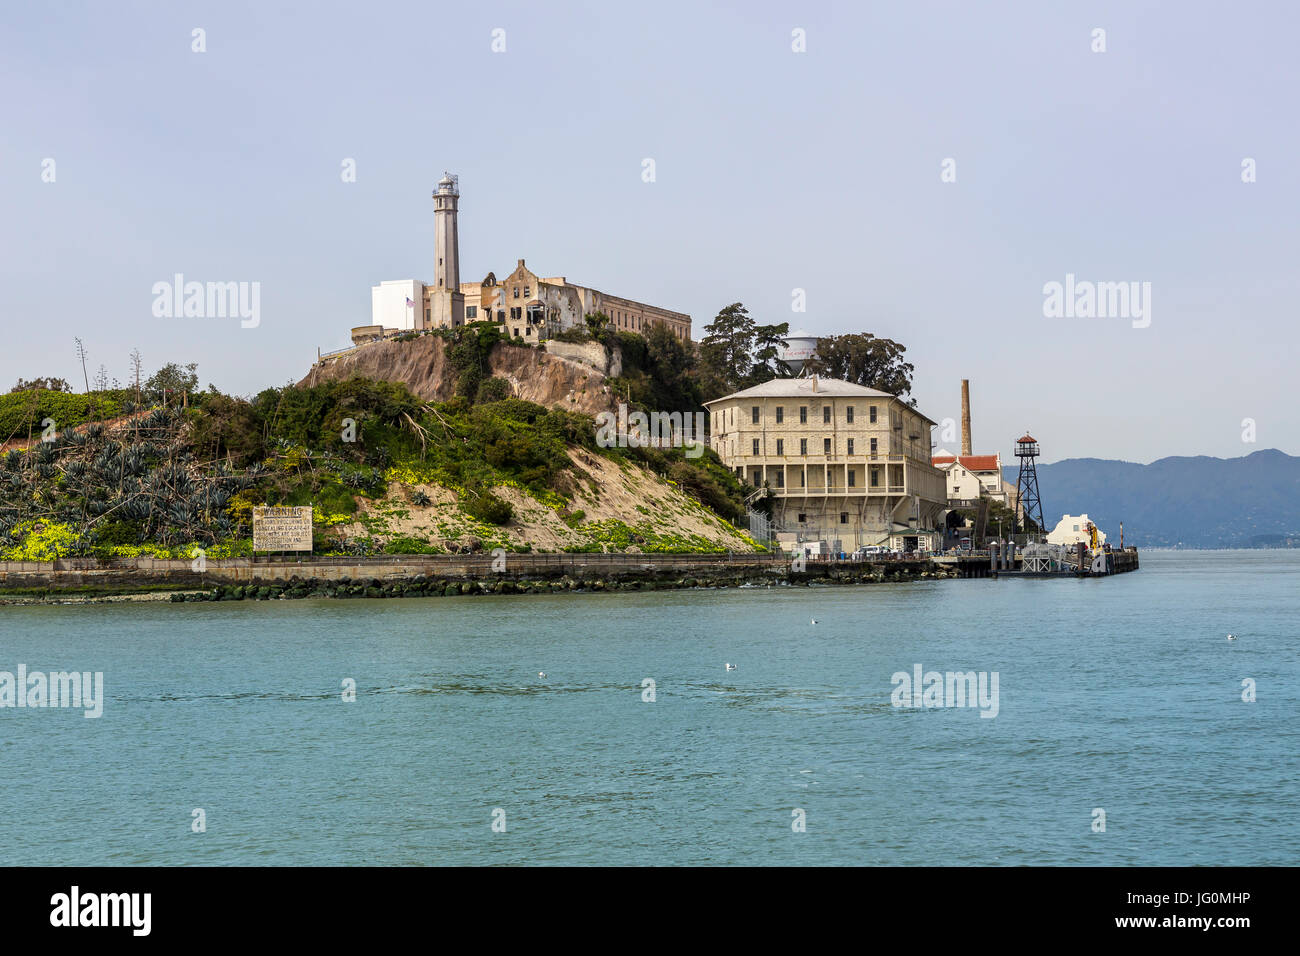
(873, 476)
(756, 414)
(803, 446)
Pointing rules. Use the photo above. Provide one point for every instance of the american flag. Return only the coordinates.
(409, 303)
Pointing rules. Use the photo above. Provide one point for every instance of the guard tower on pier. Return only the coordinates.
(1031, 503)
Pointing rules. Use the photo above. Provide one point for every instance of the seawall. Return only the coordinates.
(427, 575)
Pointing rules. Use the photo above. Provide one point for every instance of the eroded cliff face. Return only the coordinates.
(421, 363)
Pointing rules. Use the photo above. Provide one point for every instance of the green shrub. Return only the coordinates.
(410, 545)
(21, 412)
(488, 508)
(494, 389)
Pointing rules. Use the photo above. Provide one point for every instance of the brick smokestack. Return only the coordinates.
(965, 416)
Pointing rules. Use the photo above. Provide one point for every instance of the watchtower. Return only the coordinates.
(1031, 503)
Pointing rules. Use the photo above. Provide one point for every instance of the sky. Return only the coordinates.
(921, 171)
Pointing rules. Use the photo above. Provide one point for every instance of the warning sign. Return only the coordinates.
(281, 529)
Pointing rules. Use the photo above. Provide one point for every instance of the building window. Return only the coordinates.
(516, 331)
(471, 312)
(780, 478)
(803, 414)
(826, 414)
(850, 449)
(780, 414)
(754, 416)
(516, 292)
(525, 292)
(844, 517)
(755, 447)
(802, 476)
(780, 446)
(871, 414)
(516, 313)
(853, 477)
(826, 446)
(875, 477)
(501, 315)
(849, 415)
(873, 446)
(803, 518)
(803, 446)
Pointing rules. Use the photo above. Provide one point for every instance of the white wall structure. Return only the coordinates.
(388, 304)
(1072, 529)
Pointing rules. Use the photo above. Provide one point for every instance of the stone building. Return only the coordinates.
(533, 307)
(526, 306)
(846, 465)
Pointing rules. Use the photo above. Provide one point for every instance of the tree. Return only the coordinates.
(863, 359)
(596, 322)
(725, 362)
(172, 378)
(670, 362)
(49, 383)
(769, 343)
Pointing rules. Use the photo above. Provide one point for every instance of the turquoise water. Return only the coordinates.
(1120, 694)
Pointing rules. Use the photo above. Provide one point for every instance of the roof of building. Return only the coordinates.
(969, 462)
(802, 388)
(811, 387)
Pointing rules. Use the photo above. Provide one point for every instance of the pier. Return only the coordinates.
(1040, 562)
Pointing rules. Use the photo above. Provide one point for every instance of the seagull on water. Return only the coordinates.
(1232, 637)
(731, 667)
(814, 620)
(541, 673)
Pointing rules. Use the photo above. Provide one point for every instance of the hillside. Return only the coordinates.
(384, 471)
(1198, 502)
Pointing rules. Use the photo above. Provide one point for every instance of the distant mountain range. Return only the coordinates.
(1199, 502)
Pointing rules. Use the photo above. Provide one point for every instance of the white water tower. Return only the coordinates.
(799, 348)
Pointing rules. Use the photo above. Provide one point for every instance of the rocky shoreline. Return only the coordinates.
(430, 586)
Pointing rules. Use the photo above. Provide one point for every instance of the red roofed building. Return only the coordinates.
(970, 477)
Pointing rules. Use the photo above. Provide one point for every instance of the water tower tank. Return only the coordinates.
(799, 348)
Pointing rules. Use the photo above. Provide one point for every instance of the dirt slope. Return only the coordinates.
(422, 364)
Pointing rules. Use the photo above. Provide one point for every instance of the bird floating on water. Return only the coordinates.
(1232, 637)
(814, 620)
(541, 673)
(731, 667)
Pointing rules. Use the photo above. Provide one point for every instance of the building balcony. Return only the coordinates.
(835, 491)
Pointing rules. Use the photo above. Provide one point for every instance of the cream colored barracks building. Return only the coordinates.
(847, 465)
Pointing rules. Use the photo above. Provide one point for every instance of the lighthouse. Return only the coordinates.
(446, 303)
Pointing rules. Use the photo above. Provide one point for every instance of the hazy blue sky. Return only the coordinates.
(775, 170)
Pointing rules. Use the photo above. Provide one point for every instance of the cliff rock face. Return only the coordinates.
(421, 363)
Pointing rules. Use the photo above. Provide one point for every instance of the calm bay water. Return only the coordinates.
(1121, 694)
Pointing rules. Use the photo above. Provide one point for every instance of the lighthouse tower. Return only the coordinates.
(446, 303)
